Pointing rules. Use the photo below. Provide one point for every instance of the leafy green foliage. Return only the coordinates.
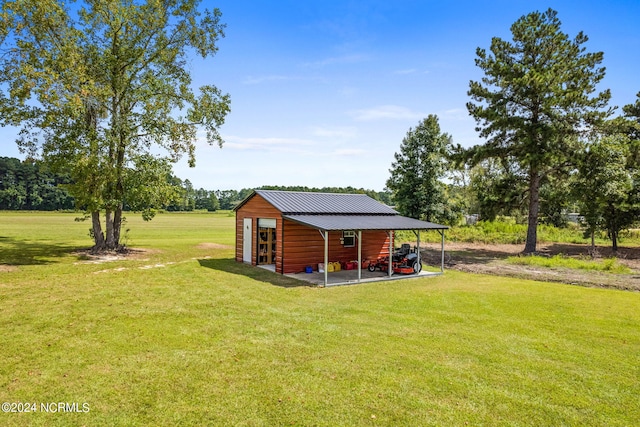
(605, 188)
(498, 188)
(228, 199)
(28, 185)
(417, 173)
(190, 198)
(538, 94)
(556, 198)
(632, 111)
(100, 87)
(147, 189)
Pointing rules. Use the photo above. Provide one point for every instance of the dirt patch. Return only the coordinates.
(4, 268)
(213, 246)
(136, 254)
(491, 259)
(142, 267)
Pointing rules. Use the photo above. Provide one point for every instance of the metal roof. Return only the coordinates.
(298, 202)
(363, 222)
(338, 211)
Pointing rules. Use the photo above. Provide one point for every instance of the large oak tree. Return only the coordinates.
(102, 90)
(537, 97)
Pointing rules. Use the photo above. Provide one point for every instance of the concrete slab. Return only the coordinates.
(350, 277)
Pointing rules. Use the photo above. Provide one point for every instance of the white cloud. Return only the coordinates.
(391, 112)
(410, 71)
(407, 71)
(266, 144)
(339, 132)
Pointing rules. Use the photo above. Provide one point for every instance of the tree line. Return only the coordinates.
(29, 185)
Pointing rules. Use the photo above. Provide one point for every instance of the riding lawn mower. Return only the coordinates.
(403, 261)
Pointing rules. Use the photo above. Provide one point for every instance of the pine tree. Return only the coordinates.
(537, 97)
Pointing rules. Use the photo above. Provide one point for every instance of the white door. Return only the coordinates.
(246, 240)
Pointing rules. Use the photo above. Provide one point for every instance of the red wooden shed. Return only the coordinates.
(290, 230)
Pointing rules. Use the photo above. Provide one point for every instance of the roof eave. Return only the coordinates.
(315, 222)
(243, 202)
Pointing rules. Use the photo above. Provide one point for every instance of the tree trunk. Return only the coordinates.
(613, 227)
(98, 235)
(117, 225)
(534, 208)
(614, 240)
(110, 238)
(111, 244)
(119, 187)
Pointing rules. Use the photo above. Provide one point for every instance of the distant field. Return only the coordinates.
(180, 334)
(508, 232)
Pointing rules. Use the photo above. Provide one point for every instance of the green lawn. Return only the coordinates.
(183, 335)
(611, 265)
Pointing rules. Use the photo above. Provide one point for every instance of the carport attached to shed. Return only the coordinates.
(359, 223)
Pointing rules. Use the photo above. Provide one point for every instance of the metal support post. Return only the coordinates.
(359, 255)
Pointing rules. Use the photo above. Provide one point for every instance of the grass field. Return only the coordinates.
(183, 335)
(611, 265)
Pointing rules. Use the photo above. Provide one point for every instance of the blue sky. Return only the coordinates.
(324, 91)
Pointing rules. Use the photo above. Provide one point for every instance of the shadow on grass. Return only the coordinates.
(229, 265)
(472, 256)
(20, 252)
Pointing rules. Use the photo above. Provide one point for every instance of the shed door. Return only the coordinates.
(246, 240)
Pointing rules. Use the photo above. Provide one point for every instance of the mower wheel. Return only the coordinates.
(417, 267)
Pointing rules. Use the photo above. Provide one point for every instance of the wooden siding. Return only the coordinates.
(304, 246)
(256, 208)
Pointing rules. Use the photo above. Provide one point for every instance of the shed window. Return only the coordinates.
(349, 238)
